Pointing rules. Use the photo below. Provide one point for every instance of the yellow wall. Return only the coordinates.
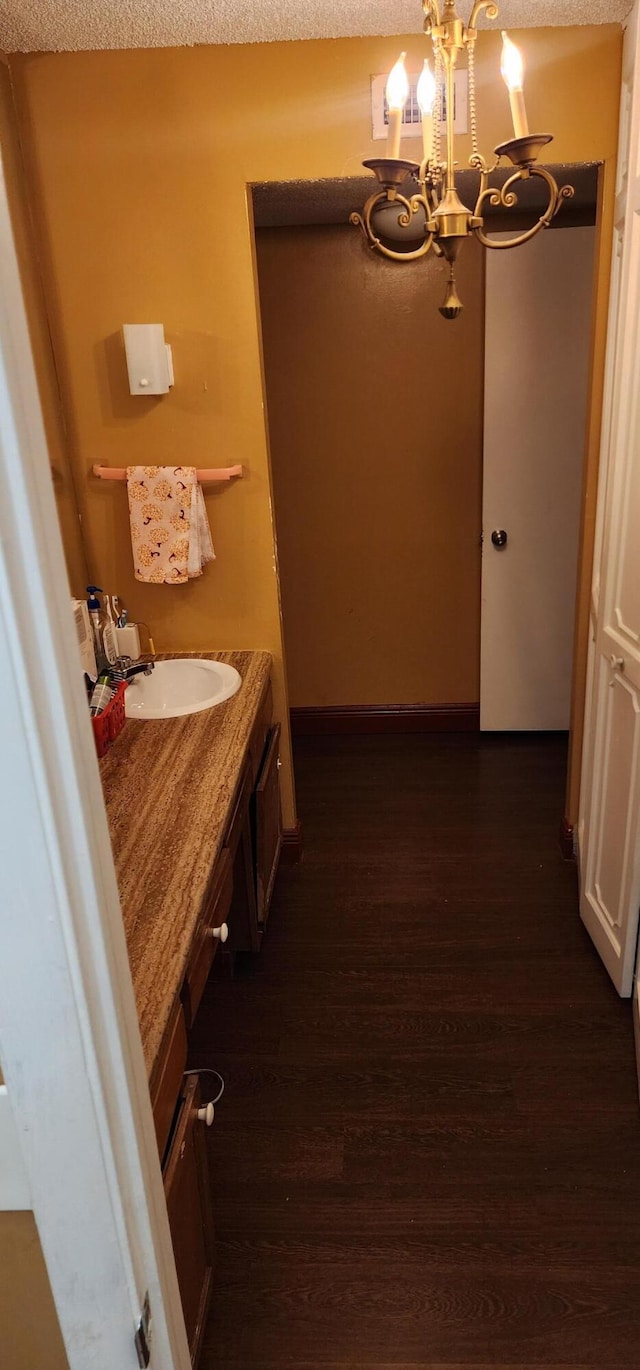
(29, 1332)
(379, 556)
(40, 339)
(138, 164)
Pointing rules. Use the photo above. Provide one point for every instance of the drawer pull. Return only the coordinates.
(206, 1115)
(219, 934)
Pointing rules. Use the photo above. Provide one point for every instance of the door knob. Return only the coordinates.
(499, 538)
(206, 1115)
(219, 934)
(617, 664)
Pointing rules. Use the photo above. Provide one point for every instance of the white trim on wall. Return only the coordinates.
(69, 1038)
(15, 1194)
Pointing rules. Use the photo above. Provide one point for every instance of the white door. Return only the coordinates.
(537, 338)
(609, 817)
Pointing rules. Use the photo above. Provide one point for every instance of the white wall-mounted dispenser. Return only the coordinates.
(149, 359)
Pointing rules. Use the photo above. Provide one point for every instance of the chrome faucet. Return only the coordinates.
(124, 669)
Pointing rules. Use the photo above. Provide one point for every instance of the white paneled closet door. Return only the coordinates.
(609, 818)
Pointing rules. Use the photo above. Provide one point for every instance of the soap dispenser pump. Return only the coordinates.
(103, 631)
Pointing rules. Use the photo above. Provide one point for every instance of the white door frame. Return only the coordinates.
(70, 1045)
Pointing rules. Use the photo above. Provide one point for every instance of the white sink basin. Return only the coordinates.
(185, 686)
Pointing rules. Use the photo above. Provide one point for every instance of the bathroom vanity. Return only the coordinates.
(194, 813)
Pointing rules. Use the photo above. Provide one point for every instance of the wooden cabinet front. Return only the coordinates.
(254, 840)
(188, 1196)
(216, 912)
(238, 894)
(267, 825)
(167, 1077)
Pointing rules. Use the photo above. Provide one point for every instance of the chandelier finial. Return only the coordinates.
(452, 305)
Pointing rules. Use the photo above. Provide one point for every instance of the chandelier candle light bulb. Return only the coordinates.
(397, 96)
(512, 68)
(426, 93)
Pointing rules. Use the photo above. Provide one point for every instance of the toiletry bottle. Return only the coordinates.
(103, 630)
(101, 696)
(109, 635)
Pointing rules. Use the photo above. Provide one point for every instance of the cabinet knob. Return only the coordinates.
(206, 1115)
(219, 934)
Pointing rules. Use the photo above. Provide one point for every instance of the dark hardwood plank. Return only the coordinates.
(428, 1153)
(451, 1315)
(227, 1364)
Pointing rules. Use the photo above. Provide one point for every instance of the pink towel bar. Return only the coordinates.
(208, 474)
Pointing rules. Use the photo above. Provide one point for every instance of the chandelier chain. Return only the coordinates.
(439, 108)
(473, 118)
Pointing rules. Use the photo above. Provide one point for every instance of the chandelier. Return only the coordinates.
(436, 211)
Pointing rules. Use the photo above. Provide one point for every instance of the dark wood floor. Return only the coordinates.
(428, 1152)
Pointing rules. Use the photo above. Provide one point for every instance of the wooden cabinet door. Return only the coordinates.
(243, 921)
(205, 946)
(167, 1076)
(188, 1196)
(243, 918)
(267, 825)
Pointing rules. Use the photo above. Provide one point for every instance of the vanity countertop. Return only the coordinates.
(168, 787)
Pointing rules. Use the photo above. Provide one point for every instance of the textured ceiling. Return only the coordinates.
(64, 25)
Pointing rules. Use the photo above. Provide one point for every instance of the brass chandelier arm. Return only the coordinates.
(410, 207)
(431, 10)
(426, 199)
(478, 163)
(507, 198)
(479, 6)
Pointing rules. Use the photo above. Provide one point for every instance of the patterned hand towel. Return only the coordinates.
(170, 533)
